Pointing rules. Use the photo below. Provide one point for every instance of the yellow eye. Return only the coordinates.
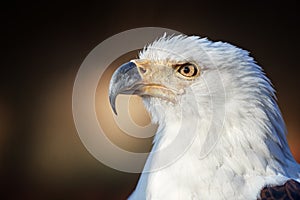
(188, 70)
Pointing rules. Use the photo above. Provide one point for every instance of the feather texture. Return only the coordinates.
(232, 109)
(289, 191)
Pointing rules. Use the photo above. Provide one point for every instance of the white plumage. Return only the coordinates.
(231, 103)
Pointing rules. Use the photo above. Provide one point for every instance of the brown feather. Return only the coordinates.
(289, 191)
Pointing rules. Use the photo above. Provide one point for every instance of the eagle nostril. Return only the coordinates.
(142, 70)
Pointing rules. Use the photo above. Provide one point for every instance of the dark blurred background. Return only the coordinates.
(43, 45)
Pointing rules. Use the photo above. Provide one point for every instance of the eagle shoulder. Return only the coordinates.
(289, 191)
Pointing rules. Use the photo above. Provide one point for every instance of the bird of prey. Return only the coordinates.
(213, 103)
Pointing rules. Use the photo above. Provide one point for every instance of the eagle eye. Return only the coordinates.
(188, 70)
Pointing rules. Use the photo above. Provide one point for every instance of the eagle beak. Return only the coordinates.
(125, 80)
(133, 78)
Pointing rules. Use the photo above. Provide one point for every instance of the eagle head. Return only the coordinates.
(190, 76)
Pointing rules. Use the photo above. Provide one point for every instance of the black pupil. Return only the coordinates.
(186, 70)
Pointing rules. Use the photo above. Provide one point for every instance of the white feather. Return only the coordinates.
(251, 149)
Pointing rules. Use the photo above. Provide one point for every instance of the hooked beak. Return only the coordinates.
(125, 80)
(131, 79)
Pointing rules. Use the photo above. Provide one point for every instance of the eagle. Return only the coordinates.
(219, 124)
